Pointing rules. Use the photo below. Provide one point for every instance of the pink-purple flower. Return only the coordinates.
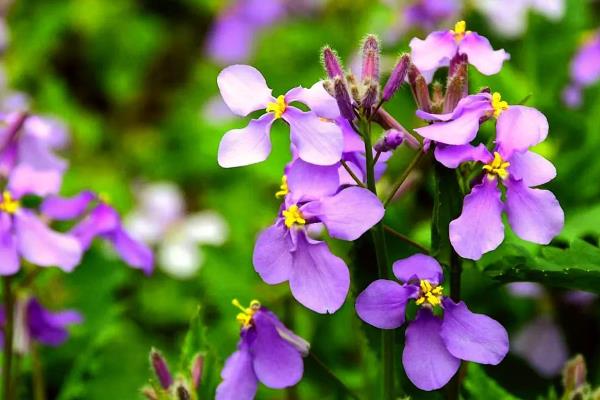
(267, 352)
(585, 70)
(434, 345)
(316, 139)
(287, 251)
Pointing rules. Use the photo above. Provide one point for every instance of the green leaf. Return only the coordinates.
(447, 206)
(480, 386)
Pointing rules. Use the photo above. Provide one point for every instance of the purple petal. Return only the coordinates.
(103, 219)
(25, 179)
(479, 228)
(416, 267)
(301, 345)
(585, 67)
(532, 168)
(8, 247)
(340, 216)
(272, 256)
(318, 141)
(481, 54)
(472, 337)
(477, 101)
(317, 99)
(244, 89)
(526, 289)
(276, 362)
(239, 380)
(249, 145)
(135, 253)
(383, 303)
(542, 344)
(41, 246)
(47, 327)
(435, 51)
(319, 280)
(61, 208)
(534, 214)
(518, 128)
(427, 362)
(311, 182)
(352, 140)
(453, 156)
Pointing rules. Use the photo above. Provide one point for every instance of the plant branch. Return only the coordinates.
(352, 174)
(9, 312)
(414, 162)
(333, 377)
(406, 239)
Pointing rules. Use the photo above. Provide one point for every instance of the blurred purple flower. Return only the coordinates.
(267, 352)
(428, 14)
(585, 70)
(317, 140)
(318, 279)
(434, 346)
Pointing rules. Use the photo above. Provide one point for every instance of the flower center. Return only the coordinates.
(429, 294)
(283, 189)
(293, 216)
(497, 167)
(498, 104)
(278, 107)
(245, 317)
(8, 204)
(459, 31)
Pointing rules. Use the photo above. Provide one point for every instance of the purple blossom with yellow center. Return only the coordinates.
(534, 214)
(434, 345)
(440, 47)
(316, 139)
(286, 251)
(268, 352)
(99, 219)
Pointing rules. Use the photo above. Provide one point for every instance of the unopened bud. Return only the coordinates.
(388, 122)
(457, 87)
(161, 369)
(396, 78)
(353, 87)
(183, 393)
(390, 141)
(332, 63)
(197, 367)
(437, 93)
(343, 99)
(328, 86)
(419, 88)
(370, 59)
(574, 374)
(371, 95)
(457, 61)
(149, 393)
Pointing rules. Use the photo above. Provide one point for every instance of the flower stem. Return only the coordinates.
(8, 336)
(406, 239)
(413, 163)
(39, 391)
(333, 377)
(352, 174)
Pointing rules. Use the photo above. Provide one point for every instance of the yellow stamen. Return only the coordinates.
(104, 197)
(430, 294)
(283, 189)
(459, 31)
(278, 107)
(498, 104)
(245, 317)
(497, 167)
(8, 204)
(293, 216)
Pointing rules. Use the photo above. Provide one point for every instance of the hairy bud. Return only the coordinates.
(370, 59)
(343, 99)
(419, 88)
(397, 77)
(332, 64)
(161, 369)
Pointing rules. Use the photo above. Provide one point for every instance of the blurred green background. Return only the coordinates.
(133, 83)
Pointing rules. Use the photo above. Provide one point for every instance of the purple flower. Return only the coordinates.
(244, 90)
(286, 251)
(441, 46)
(429, 13)
(34, 322)
(434, 346)
(585, 70)
(267, 352)
(533, 214)
(99, 219)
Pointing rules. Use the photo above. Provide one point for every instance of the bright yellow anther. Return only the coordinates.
(278, 107)
(429, 294)
(8, 204)
(497, 167)
(293, 216)
(498, 104)
(459, 31)
(245, 317)
(283, 189)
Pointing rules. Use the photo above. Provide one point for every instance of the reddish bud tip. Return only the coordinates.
(370, 59)
(397, 77)
(161, 369)
(332, 64)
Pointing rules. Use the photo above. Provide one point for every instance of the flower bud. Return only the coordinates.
(574, 374)
(343, 99)
(332, 63)
(370, 59)
(397, 77)
(183, 393)
(390, 141)
(456, 90)
(149, 393)
(353, 87)
(197, 367)
(388, 122)
(457, 61)
(161, 369)
(371, 95)
(419, 88)
(328, 86)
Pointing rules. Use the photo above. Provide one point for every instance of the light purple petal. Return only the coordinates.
(477, 101)
(318, 141)
(416, 267)
(433, 52)
(585, 67)
(41, 246)
(352, 140)
(244, 89)
(47, 327)
(348, 214)
(64, 209)
(239, 380)
(458, 131)
(272, 256)
(301, 345)
(311, 182)
(530, 290)
(518, 128)
(249, 145)
(534, 214)
(103, 219)
(452, 156)
(532, 168)
(479, 228)
(427, 362)
(481, 54)
(317, 99)
(276, 362)
(383, 303)
(25, 179)
(135, 253)
(472, 337)
(319, 280)
(10, 263)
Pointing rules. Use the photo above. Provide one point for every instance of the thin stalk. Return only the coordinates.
(453, 389)
(377, 155)
(406, 239)
(8, 336)
(333, 377)
(352, 174)
(414, 162)
(39, 387)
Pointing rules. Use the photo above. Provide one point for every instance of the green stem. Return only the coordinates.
(387, 335)
(352, 174)
(8, 336)
(413, 163)
(406, 239)
(333, 377)
(39, 391)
